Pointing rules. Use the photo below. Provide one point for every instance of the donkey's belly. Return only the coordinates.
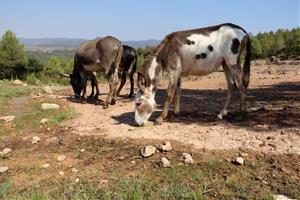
(200, 67)
(93, 67)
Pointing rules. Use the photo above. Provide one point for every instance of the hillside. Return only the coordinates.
(51, 44)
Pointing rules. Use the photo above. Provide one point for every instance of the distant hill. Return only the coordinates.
(142, 43)
(51, 44)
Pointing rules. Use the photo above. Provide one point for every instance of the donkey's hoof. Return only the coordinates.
(113, 102)
(159, 121)
(241, 116)
(105, 105)
(220, 116)
(130, 95)
(91, 96)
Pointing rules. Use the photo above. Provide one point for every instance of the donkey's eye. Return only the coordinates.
(138, 104)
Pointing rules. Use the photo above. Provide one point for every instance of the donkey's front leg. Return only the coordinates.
(113, 83)
(83, 84)
(169, 97)
(95, 84)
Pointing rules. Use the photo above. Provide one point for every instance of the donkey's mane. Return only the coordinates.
(153, 53)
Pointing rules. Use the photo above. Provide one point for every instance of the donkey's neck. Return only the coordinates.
(154, 74)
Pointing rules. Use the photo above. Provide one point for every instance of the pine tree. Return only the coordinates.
(256, 48)
(34, 65)
(12, 57)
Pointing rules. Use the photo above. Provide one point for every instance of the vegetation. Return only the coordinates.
(282, 43)
(12, 57)
(45, 67)
(16, 100)
(211, 178)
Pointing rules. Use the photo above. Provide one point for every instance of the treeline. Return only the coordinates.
(15, 63)
(36, 67)
(284, 44)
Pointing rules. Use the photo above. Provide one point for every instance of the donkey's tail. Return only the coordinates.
(246, 69)
(133, 65)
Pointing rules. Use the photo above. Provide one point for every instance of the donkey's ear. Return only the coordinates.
(65, 75)
(141, 81)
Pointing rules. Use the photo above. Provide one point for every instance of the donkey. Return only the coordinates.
(194, 52)
(127, 66)
(97, 55)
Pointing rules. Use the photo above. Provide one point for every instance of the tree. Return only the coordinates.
(256, 48)
(12, 57)
(34, 65)
(69, 66)
(279, 42)
(53, 67)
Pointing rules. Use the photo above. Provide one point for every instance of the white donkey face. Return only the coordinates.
(144, 106)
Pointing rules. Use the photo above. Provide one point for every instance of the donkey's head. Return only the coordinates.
(75, 81)
(144, 101)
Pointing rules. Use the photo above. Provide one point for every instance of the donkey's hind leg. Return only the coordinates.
(130, 95)
(237, 73)
(123, 81)
(177, 98)
(231, 88)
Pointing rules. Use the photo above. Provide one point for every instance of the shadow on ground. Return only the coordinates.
(280, 103)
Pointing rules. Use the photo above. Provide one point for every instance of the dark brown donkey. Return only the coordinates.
(97, 55)
(127, 67)
(194, 52)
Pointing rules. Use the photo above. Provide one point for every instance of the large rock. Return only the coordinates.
(77, 180)
(5, 151)
(166, 146)
(148, 151)
(50, 106)
(239, 161)
(17, 82)
(75, 170)
(44, 121)
(35, 140)
(46, 165)
(187, 158)
(3, 169)
(8, 118)
(165, 162)
(281, 197)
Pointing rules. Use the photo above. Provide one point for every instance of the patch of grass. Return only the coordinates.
(55, 116)
(31, 114)
(145, 187)
(9, 90)
(211, 179)
(4, 188)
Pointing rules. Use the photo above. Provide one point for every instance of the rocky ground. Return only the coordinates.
(99, 146)
(274, 127)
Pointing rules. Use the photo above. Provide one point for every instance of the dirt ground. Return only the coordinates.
(274, 128)
(99, 143)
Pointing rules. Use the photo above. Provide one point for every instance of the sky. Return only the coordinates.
(140, 19)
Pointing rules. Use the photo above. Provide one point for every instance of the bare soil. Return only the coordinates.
(273, 128)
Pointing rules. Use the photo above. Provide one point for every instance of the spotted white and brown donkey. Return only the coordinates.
(194, 52)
